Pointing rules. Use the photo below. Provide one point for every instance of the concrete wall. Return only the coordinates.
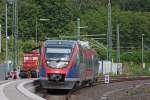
(106, 67)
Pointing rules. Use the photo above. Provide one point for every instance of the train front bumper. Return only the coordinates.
(57, 85)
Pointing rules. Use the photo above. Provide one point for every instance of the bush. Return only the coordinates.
(135, 69)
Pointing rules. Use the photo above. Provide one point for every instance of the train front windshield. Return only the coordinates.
(57, 57)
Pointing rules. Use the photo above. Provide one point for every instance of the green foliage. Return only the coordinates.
(2, 57)
(135, 69)
(96, 20)
(131, 57)
(27, 46)
(100, 48)
(135, 5)
(132, 15)
(79, 6)
(55, 10)
(135, 56)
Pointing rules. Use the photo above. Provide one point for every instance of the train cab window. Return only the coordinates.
(58, 53)
(58, 57)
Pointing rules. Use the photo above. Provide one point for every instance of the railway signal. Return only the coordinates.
(107, 79)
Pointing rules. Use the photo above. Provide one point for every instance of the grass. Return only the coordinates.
(135, 69)
(131, 93)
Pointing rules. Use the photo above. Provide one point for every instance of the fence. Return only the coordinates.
(2, 71)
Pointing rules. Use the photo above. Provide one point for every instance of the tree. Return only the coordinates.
(55, 10)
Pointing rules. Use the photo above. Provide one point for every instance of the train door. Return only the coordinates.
(93, 66)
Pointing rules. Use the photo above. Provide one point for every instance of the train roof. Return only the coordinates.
(84, 44)
(69, 43)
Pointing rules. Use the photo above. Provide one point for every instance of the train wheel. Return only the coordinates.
(91, 82)
(77, 85)
(96, 79)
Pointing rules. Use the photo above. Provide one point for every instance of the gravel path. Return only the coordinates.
(99, 92)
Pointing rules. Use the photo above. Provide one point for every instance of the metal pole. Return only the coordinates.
(142, 52)
(6, 40)
(6, 31)
(0, 38)
(17, 45)
(78, 29)
(15, 34)
(36, 31)
(109, 34)
(118, 45)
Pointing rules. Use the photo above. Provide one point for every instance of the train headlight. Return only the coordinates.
(55, 64)
(51, 64)
(48, 62)
(62, 64)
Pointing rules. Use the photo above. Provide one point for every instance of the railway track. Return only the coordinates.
(78, 93)
(60, 94)
(73, 94)
(114, 79)
(69, 95)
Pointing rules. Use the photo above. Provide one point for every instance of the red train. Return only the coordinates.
(30, 65)
(66, 64)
